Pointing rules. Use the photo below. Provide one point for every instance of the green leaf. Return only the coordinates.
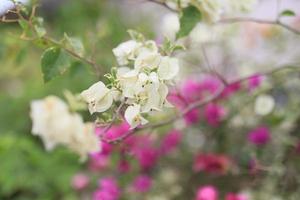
(168, 47)
(137, 36)
(190, 17)
(287, 13)
(39, 26)
(55, 62)
(74, 44)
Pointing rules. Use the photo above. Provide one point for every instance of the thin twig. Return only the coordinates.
(164, 4)
(259, 21)
(115, 116)
(211, 67)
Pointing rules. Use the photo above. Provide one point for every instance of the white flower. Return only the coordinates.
(6, 5)
(264, 104)
(238, 5)
(127, 79)
(170, 25)
(98, 97)
(50, 118)
(148, 60)
(134, 117)
(126, 51)
(53, 122)
(85, 141)
(168, 68)
(211, 9)
(148, 47)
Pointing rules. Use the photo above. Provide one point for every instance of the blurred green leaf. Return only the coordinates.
(287, 13)
(55, 62)
(190, 17)
(74, 44)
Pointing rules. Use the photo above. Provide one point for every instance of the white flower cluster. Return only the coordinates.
(141, 81)
(53, 122)
(212, 9)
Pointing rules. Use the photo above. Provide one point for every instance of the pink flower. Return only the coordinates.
(214, 114)
(142, 183)
(207, 193)
(194, 90)
(233, 196)
(147, 157)
(192, 117)
(259, 136)
(143, 149)
(231, 89)
(211, 163)
(255, 81)
(98, 161)
(108, 190)
(170, 141)
(80, 181)
(123, 166)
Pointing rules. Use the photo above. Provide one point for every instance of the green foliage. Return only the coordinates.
(287, 13)
(55, 61)
(168, 47)
(28, 173)
(190, 17)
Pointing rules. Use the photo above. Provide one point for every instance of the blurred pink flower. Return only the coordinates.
(147, 157)
(123, 166)
(214, 114)
(233, 196)
(98, 161)
(108, 190)
(211, 163)
(255, 81)
(170, 141)
(194, 90)
(143, 149)
(231, 89)
(192, 117)
(142, 183)
(259, 136)
(80, 181)
(207, 193)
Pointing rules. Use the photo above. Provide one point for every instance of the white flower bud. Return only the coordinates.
(264, 104)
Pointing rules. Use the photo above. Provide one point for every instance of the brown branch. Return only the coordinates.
(164, 4)
(196, 104)
(211, 67)
(259, 21)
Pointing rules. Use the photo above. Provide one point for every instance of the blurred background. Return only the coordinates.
(27, 171)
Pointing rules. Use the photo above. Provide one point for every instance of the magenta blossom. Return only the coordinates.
(214, 114)
(255, 81)
(98, 161)
(142, 183)
(259, 136)
(80, 181)
(233, 196)
(192, 117)
(108, 190)
(123, 166)
(170, 141)
(231, 89)
(207, 193)
(143, 149)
